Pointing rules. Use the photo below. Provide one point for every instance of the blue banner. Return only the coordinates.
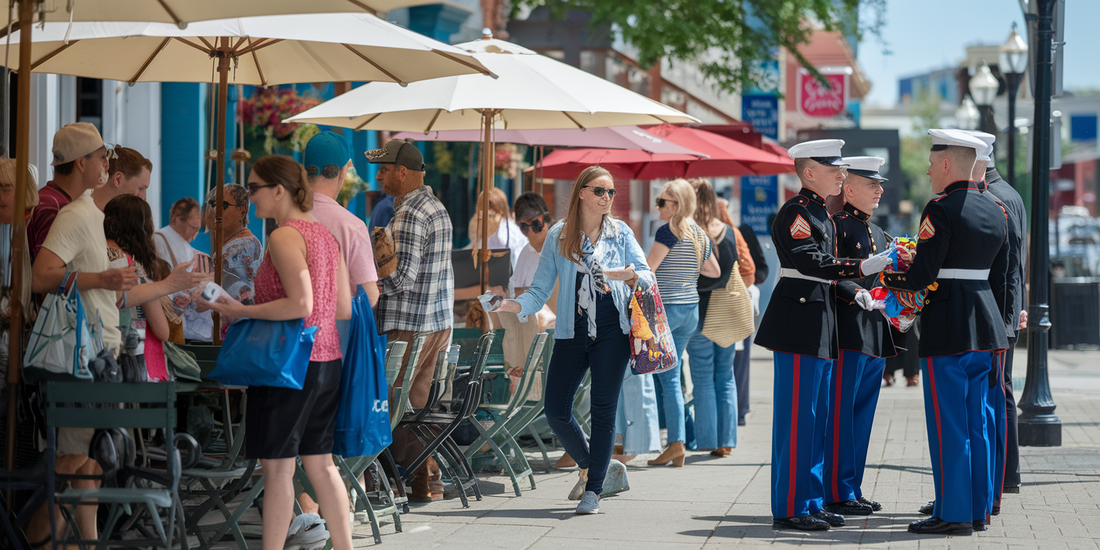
(762, 111)
(759, 200)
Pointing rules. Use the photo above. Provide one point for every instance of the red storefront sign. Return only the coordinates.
(815, 100)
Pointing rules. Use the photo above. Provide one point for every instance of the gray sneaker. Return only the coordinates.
(590, 503)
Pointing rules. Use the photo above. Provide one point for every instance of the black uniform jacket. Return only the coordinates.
(800, 317)
(867, 332)
(961, 229)
(1017, 248)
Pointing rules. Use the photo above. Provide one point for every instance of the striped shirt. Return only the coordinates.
(419, 295)
(678, 274)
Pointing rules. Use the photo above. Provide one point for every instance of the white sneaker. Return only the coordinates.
(590, 503)
(307, 532)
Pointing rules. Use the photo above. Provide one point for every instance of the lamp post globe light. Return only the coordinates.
(967, 115)
(1013, 63)
(983, 88)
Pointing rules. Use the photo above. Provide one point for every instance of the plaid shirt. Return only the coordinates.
(419, 295)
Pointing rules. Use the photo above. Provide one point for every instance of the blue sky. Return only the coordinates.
(921, 35)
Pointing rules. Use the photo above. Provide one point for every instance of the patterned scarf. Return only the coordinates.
(594, 281)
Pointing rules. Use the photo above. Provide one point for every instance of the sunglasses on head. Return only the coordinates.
(599, 191)
(661, 202)
(535, 224)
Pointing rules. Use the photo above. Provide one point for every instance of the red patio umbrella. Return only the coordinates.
(727, 157)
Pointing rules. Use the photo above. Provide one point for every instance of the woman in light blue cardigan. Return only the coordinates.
(597, 262)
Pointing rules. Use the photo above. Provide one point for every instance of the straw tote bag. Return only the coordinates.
(729, 312)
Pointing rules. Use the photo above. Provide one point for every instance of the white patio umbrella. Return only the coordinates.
(532, 92)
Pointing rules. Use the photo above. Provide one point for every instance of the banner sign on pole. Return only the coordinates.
(759, 200)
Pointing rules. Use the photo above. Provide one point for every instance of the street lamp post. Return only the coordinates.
(1013, 63)
(1038, 425)
(967, 115)
(983, 88)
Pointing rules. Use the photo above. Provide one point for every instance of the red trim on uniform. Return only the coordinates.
(839, 377)
(939, 430)
(1004, 443)
(794, 437)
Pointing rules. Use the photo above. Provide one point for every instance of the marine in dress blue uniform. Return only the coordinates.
(800, 327)
(962, 235)
(1006, 463)
(865, 342)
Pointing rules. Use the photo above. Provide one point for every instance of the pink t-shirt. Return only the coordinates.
(323, 263)
(351, 236)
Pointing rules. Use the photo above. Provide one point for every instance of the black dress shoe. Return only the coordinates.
(849, 508)
(875, 507)
(996, 510)
(927, 508)
(835, 520)
(979, 525)
(937, 526)
(1014, 489)
(804, 523)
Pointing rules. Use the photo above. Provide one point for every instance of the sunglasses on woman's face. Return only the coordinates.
(534, 225)
(661, 202)
(599, 191)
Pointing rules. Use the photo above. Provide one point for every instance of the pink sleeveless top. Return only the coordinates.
(323, 259)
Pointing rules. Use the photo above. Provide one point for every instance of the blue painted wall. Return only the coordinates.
(183, 113)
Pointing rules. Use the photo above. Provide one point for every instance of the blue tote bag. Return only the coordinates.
(363, 419)
(265, 353)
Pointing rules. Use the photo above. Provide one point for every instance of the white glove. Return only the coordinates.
(865, 301)
(875, 264)
(487, 301)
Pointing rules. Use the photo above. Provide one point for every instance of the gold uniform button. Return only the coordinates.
(802, 300)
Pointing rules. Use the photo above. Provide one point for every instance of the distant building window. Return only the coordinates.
(1082, 127)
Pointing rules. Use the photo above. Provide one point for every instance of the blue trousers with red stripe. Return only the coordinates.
(853, 394)
(998, 401)
(957, 411)
(800, 397)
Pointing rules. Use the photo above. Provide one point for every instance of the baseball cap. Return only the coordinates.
(75, 140)
(400, 152)
(327, 148)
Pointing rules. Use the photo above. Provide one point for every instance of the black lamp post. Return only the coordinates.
(1013, 63)
(1039, 427)
(983, 88)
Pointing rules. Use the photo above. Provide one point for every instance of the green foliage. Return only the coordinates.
(723, 38)
(914, 153)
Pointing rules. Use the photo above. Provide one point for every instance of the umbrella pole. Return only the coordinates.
(19, 225)
(219, 192)
(487, 159)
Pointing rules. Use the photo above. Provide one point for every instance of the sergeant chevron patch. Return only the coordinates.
(926, 229)
(800, 229)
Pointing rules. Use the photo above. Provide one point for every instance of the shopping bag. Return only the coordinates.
(651, 347)
(63, 340)
(256, 352)
(363, 418)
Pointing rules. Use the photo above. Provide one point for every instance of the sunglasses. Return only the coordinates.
(599, 191)
(253, 189)
(661, 202)
(535, 225)
(225, 204)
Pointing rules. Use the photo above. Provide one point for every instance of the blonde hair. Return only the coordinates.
(684, 195)
(570, 237)
(7, 175)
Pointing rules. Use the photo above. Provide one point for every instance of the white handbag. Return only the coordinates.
(63, 340)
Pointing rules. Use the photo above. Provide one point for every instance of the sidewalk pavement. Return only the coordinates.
(724, 502)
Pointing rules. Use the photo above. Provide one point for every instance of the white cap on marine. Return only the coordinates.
(988, 139)
(943, 138)
(865, 166)
(824, 151)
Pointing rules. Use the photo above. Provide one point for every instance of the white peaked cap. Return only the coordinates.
(950, 137)
(865, 166)
(988, 139)
(825, 151)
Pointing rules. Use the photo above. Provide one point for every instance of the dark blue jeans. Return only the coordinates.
(606, 357)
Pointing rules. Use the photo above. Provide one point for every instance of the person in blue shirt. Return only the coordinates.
(382, 214)
(598, 258)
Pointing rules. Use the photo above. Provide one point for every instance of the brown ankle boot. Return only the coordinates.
(565, 461)
(618, 454)
(673, 453)
(421, 485)
(721, 452)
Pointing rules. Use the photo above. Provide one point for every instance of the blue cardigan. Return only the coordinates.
(555, 267)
